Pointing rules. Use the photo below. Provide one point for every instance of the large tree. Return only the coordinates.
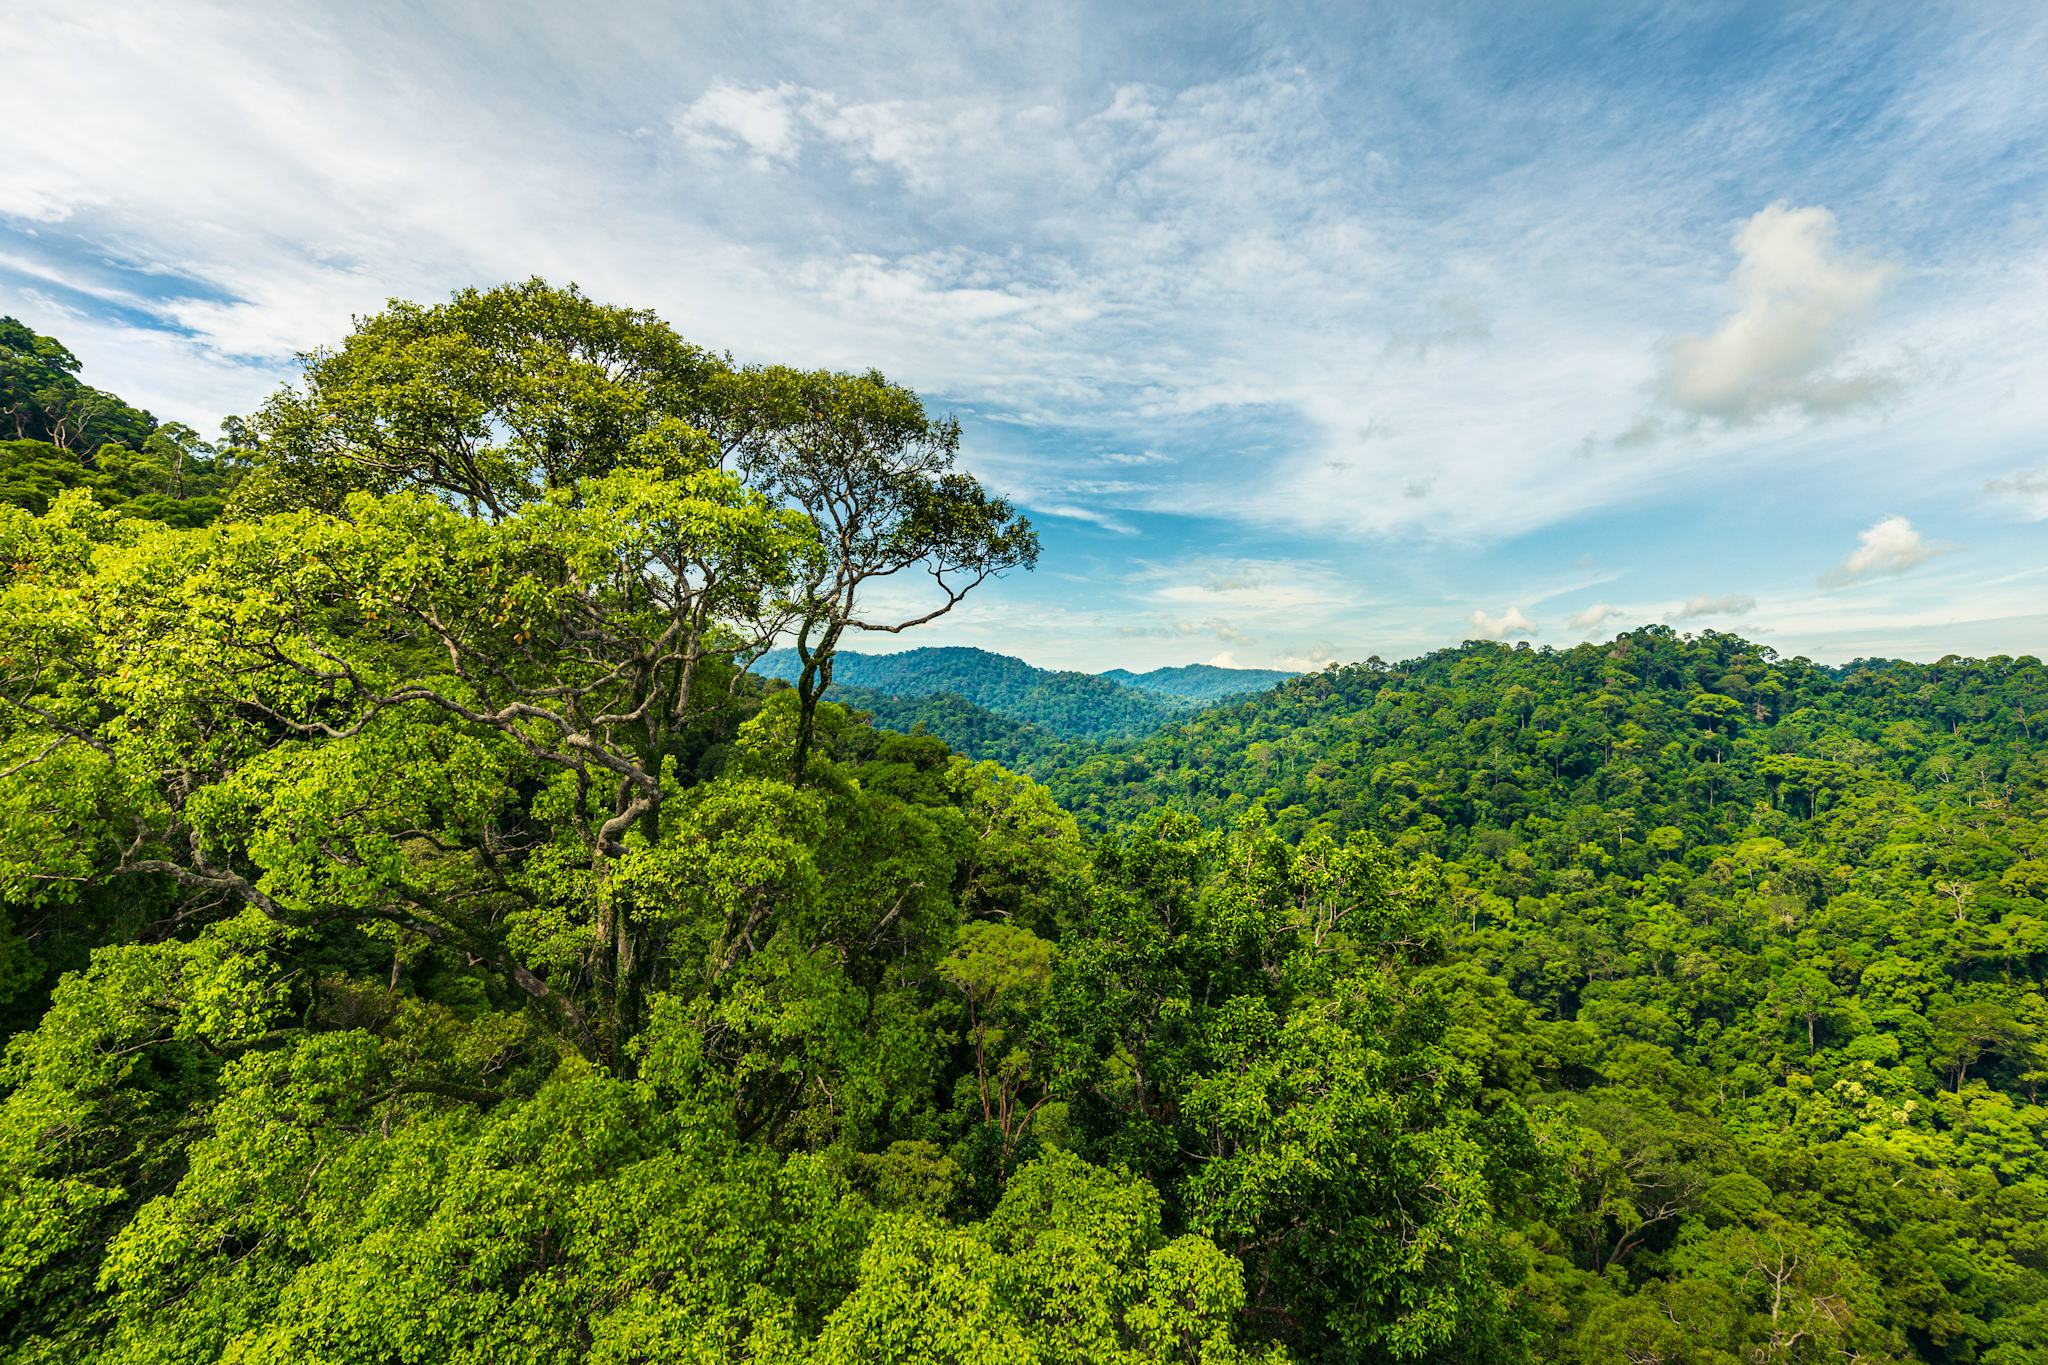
(499, 396)
(488, 401)
(502, 526)
(877, 474)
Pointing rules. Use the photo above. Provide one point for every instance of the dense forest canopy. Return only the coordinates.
(63, 434)
(1070, 705)
(428, 937)
(1064, 703)
(43, 399)
(1202, 682)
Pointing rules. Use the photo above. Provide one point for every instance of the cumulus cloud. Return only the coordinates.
(1798, 297)
(1593, 617)
(1891, 546)
(1729, 604)
(1309, 658)
(1509, 624)
(762, 122)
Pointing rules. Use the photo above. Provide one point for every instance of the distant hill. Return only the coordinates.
(965, 727)
(1202, 683)
(989, 705)
(1464, 742)
(1064, 704)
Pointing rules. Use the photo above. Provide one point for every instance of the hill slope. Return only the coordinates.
(1771, 935)
(1059, 704)
(967, 729)
(1203, 683)
(1673, 729)
(68, 435)
(1069, 705)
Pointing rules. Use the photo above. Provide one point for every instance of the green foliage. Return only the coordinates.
(488, 401)
(1070, 1268)
(504, 398)
(424, 940)
(1755, 941)
(1205, 683)
(43, 399)
(66, 435)
(950, 681)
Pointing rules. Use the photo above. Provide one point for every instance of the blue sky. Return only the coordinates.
(1302, 332)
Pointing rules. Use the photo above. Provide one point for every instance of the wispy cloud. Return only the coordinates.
(1726, 605)
(1269, 587)
(2027, 490)
(1342, 288)
(1094, 516)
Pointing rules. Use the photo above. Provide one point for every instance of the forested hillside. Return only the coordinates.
(67, 434)
(1069, 705)
(426, 940)
(1797, 917)
(1062, 704)
(969, 730)
(1201, 682)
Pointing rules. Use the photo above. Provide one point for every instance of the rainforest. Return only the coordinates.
(464, 896)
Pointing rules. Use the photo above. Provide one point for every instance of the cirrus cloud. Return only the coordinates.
(2028, 489)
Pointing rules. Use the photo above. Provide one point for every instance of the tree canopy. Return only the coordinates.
(425, 937)
(44, 400)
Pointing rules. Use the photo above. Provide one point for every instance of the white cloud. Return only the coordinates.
(1729, 604)
(1593, 617)
(1220, 259)
(762, 122)
(1094, 516)
(1891, 546)
(2028, 489)
(1310, 658)
(1328, 329)
(1797, 298)
(1184, 629)
(1509, 623)
(1273, 588)
(913, 139)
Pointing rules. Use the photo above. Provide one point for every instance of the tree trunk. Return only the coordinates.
(811, 685)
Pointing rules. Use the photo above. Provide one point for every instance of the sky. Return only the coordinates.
(1301, 332)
